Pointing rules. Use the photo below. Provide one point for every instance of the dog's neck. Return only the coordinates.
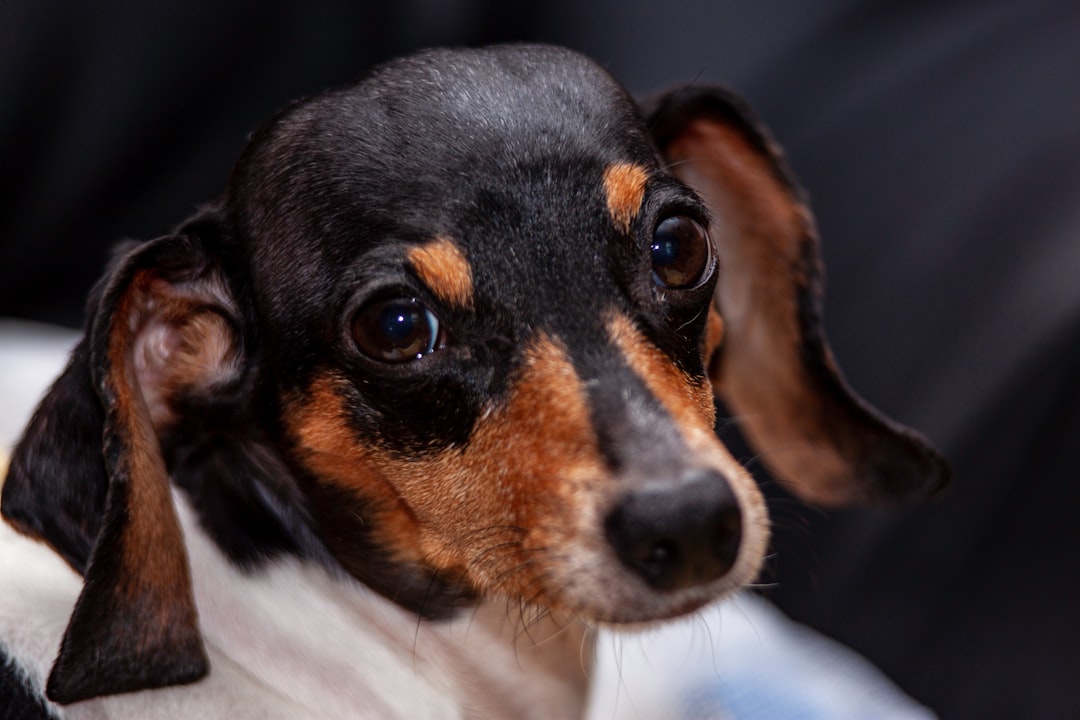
(331, 643)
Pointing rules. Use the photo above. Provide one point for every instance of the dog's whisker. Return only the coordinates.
(691, 321)
(711, 642)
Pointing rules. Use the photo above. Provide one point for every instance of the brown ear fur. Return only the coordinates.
(162, 325)
(773, 366)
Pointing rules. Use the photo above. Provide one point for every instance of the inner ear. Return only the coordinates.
(771, 364)
(185, 344)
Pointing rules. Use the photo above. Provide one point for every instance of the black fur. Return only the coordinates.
(17, 700)
(56, 484)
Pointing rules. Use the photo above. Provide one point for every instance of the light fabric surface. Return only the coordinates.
(741, 660)
(31, 357)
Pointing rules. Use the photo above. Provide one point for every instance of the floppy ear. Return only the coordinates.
(770, 362)
(88, 476)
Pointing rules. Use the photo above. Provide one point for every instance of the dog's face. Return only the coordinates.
(460, 327)
(493, 345)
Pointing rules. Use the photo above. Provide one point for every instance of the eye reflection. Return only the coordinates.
(395, 330)
(680, 252)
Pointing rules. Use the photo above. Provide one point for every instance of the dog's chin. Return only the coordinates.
(609, 595)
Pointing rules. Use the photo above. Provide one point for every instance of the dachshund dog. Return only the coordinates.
(427, 392)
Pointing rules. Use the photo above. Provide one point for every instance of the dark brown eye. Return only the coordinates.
(680, 252)
(395, 330)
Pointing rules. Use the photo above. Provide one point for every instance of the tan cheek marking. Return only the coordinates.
(624, 187)
(334, 454)
(689, 403)
(530, 465)
(441, 266)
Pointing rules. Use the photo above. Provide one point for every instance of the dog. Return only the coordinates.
(427, 393)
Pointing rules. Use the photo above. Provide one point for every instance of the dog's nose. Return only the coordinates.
(678, 534)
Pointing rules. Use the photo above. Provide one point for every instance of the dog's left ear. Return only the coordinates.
(163, 328)
(769, 361)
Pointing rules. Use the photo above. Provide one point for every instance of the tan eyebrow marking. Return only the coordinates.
(442, 266)
(624, 186)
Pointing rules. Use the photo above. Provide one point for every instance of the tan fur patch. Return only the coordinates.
(488, 509)
(442, 266)
(689, 403)
(330, 449)
(624, 186)
(714, 340)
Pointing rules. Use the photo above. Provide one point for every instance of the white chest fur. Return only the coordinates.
(290, 641)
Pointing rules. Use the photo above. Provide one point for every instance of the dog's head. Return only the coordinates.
(458, 328)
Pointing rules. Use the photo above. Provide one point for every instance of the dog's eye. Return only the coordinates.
(680, 252)
(395, 330)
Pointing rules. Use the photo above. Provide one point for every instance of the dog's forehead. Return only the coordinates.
(511, 102)
(472, 146)
(445, 112)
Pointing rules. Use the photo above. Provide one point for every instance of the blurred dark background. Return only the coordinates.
(940, 143)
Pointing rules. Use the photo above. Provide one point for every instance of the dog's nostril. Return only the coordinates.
(727, 535)
(683, 533)
(654, 559)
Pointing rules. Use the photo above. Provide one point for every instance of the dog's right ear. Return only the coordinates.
(769, 359)
(88, 476)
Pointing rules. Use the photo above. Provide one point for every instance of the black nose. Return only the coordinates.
(678, 534)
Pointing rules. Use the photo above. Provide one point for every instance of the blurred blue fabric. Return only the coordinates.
(740, 660)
